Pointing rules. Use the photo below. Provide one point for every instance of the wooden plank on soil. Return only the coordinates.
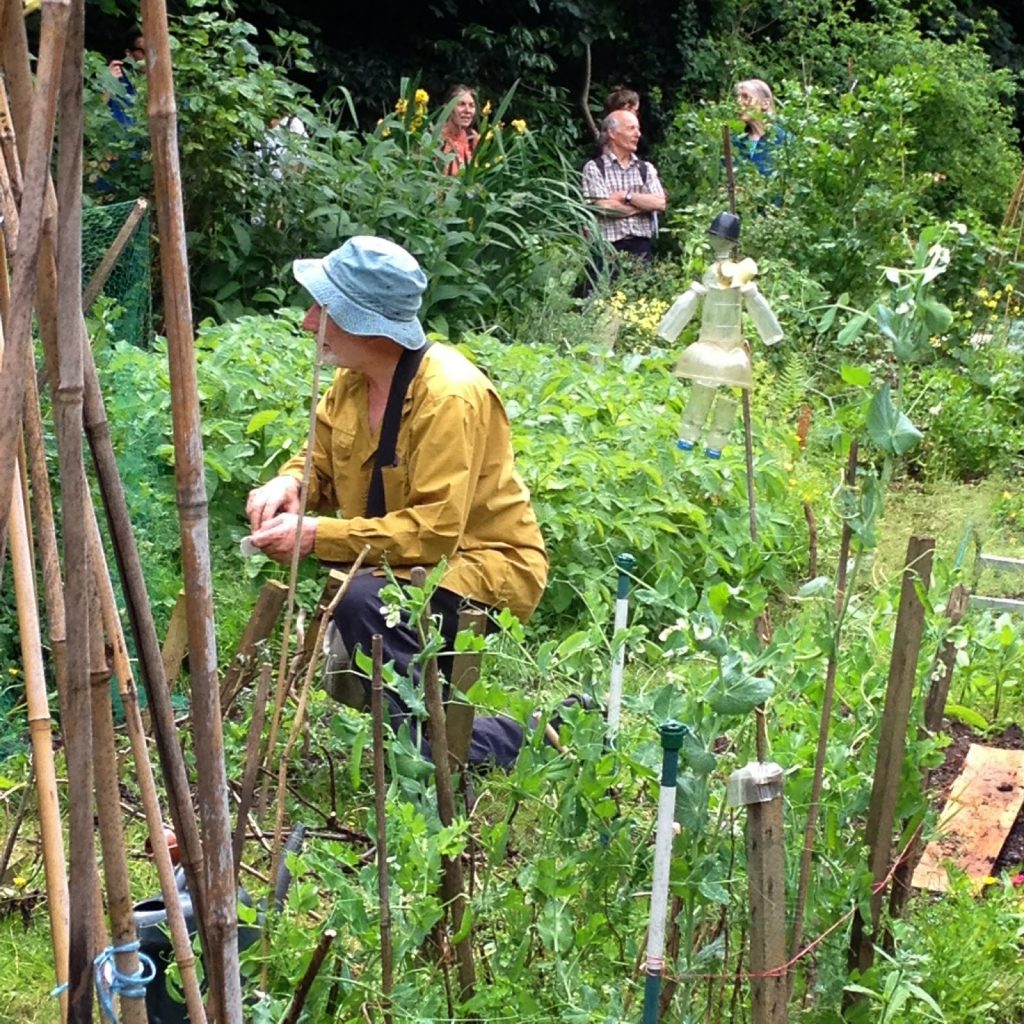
(982, 807)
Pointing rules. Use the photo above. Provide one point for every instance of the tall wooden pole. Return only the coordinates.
(453, 885)
(36, 165)
(144, 777)
(38, 708)
(19, 81)
(40, 732)
(828, 696)
(108, 811)
(67, 408)
(221, 957)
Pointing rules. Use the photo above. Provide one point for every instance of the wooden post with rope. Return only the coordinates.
(766, 875)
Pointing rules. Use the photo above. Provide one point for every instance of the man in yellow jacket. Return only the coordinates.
(412, 451)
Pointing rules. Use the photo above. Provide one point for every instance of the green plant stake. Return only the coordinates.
(672, 734)
(626, 564)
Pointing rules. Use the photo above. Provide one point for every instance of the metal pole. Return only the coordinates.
(672, 734)
(626, 564)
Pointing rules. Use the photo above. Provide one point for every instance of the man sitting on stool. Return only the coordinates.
(412, 450)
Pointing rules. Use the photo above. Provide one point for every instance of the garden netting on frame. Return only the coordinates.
(128, 283)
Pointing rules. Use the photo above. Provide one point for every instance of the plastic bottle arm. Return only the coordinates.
(681, 312)
(760, 312)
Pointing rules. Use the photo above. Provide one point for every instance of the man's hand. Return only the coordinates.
(277, 537)
(278, 495)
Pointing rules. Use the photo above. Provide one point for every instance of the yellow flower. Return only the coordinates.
(20, 881)
(982, 293)
(520, 125)
(489, 136)
(487, 109)
(422, 97)
(401, 106)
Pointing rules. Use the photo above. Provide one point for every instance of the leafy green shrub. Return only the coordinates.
(923, 137)
(258, 193)
(596, 443)
(253, 384)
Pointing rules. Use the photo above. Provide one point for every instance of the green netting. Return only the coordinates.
(128, 284)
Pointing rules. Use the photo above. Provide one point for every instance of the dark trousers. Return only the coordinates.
(639, 248)
(636, 248)
(495, 741)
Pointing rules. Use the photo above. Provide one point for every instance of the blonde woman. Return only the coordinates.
(761, 138)
(459, 137)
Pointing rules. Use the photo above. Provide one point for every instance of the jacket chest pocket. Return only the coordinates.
(342, 469)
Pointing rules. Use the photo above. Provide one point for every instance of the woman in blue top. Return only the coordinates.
(760, 140)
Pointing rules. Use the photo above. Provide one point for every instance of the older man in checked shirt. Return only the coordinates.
(624, 190)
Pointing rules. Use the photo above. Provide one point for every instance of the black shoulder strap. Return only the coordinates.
(405, 370)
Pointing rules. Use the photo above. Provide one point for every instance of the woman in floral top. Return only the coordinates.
(458, 136)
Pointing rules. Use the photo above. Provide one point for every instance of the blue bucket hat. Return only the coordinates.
(369, 286)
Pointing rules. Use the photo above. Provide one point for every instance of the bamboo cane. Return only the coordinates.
(221, 953)
(453, 884)
(108, 807)
(252, 764)
(828, 696)
(11, 165)
(36, 166)
(380, 805)
(762, 626)
(67, 411)
(293, 574)
(144, 777)
(294, 1010)
(300, 712)
(16, 61)
(42, 744)
(113, 253)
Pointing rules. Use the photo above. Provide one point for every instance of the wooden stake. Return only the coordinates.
(221, 953)
(259, 627)
(892, 743)
(175, 646)
(465, 672)
(758, 786)
(453, 887)
(935, 707)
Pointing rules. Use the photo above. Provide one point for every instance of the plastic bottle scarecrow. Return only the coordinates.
(719, 358)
